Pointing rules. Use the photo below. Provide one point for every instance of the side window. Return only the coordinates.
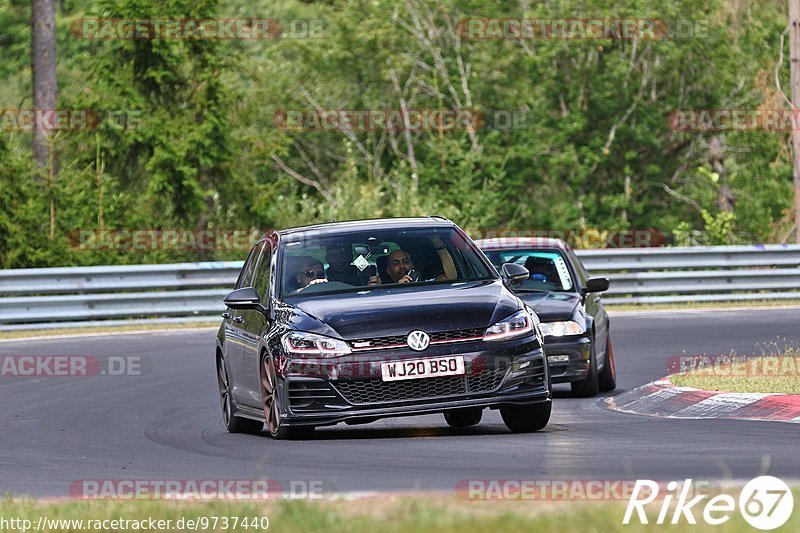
(246, 275)
(263, 275)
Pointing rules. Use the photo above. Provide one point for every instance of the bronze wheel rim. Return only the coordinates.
(224, 391)
(610, 358)
(269, 396)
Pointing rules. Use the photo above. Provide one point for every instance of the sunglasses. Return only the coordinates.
(313, 274)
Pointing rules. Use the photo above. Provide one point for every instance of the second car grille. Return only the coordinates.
(399, 341)
(377, 391)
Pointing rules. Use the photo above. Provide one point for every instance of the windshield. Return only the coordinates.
(548, 269)
(314, 264)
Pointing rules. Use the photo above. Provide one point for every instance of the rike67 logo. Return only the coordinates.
(765, 503)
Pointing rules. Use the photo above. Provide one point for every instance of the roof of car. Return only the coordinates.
(370, 224)
(516, 243)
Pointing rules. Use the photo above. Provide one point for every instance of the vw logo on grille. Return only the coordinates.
(418, 340)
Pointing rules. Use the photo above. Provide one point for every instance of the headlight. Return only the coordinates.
(313, 345)
(519, 324)
(561, 329)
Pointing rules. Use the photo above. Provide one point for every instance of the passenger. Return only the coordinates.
(340, 268)
(400, 268)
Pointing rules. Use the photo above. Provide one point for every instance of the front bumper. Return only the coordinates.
(568, 359)
(350, 389)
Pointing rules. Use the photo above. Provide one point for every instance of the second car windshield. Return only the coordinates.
(548, 269)
(315, 264)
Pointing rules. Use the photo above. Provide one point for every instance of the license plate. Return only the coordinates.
(422, 368)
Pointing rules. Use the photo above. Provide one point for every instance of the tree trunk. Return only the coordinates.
(43, 62)
(794, 73)
(716, 156)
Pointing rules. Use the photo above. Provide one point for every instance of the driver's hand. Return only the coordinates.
(374, 280)
(404, 279)
(318, 280)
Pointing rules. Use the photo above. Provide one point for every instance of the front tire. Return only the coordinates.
(461, 418)
(526, 418)
(232, 423)
(270, 400)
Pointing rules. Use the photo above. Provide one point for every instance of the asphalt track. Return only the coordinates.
(165, 423)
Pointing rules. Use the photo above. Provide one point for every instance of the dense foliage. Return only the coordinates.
(197, 142)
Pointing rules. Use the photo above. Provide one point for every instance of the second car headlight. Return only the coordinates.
(561, 329)
(312, 345)
(517, 325)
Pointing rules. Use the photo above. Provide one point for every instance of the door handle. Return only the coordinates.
(226, 315)
(238, 319)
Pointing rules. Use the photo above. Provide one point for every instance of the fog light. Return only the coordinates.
(557, 358)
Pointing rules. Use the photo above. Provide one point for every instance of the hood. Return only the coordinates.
(399, 310)
(552, 306)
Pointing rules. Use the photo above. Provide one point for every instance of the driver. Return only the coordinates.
(311, 272)
(341, 269)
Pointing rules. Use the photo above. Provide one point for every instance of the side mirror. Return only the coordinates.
(243, 299)
(514, 274)
(596, 285)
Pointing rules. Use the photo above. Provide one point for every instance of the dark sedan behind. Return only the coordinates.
(567, 301)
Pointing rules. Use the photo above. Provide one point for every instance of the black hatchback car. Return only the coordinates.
(567, 300)
(357, 321)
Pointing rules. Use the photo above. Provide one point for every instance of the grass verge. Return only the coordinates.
(56, 331)
(775, 372)
(702, 305)
(377, 514)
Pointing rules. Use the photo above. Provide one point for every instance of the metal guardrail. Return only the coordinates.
(47, 297)
(44, 297)
(697, 274)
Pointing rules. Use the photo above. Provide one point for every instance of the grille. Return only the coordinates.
(377, 391)
(397, 341)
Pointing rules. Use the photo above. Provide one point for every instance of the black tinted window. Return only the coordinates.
(246, 275)
(263, 274)
(318, 264)
(548, 268)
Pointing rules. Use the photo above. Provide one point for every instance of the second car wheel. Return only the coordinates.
(608, 376)
(590, 385)
(460, 418)
(526, 418)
